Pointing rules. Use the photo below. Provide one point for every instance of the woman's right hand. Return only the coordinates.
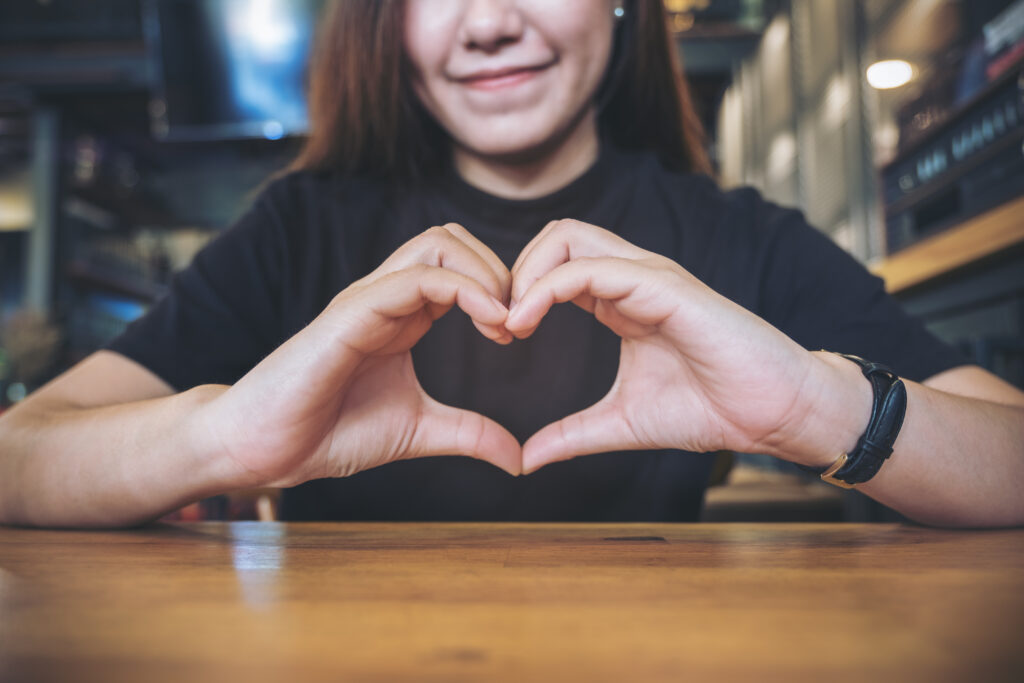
(341, 396)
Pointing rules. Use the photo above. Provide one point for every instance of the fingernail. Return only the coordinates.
(513, 312)
(498, 306)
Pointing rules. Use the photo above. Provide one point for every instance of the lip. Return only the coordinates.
(495, 79)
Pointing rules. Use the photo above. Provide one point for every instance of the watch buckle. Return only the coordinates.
(827, 475)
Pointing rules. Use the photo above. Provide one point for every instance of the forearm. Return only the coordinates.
(957, 461)
(116, 465)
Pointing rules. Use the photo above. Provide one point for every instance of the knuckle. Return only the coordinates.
(417, 271)
(668, 268)
(565, 226)
(549, 226)
(455, 229)
(435, 232)
(419, 240)
(434, 243)
(669, 279)
(434, 238)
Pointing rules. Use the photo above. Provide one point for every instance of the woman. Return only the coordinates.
(306, 345)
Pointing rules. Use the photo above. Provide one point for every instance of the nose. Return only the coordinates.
(489, 25)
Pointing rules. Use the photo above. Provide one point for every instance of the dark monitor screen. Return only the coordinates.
(230, 68)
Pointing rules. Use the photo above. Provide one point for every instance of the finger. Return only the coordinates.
(639, 292)
(440, 247)
(597, 429)
(408, 291)
(563, 241)
(524, 253)
(499, 268)
(496, 333)
(444, 430)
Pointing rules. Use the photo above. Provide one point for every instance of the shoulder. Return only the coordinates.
(734, 229)
(741, 244)
(312, 213)
(311, 191)
(788, 258)
(741, 211)
(744, 212)
(770, 234)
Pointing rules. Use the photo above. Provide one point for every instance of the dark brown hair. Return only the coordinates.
(366, 119)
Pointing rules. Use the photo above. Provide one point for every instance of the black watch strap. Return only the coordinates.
(888, 408)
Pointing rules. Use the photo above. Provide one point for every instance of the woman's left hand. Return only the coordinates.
(697, 372)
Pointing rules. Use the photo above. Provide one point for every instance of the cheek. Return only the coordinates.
(429, 30)
(581, 31)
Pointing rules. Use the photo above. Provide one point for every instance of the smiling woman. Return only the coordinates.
(501, 157)
(524, 89)
(372, 67)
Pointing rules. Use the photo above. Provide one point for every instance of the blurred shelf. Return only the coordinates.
(70, 67)
(84, 273)
(129, 208)
(976, 238)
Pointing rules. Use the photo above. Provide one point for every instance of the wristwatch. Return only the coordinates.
(888, 408)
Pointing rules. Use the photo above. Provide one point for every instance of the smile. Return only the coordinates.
(501, 78)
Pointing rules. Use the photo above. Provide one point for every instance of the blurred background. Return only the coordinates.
(131, 131)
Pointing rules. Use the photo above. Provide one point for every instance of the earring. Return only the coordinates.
(618, 10)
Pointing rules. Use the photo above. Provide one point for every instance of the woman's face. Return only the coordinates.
(505, 77)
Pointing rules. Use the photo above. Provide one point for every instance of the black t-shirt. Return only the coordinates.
(311, 234)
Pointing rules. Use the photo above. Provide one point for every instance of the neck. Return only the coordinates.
(536, 173)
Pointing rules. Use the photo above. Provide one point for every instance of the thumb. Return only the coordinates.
(598, 429)
(444, 430)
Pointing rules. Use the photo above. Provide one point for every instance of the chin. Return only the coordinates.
(515, 142)
(516, 152)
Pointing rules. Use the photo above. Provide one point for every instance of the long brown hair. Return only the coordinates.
(366, 119)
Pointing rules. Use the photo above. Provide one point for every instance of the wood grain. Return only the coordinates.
(984, 235)
(250, 601)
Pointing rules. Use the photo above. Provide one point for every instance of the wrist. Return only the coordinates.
(206, 443)
(830, 415)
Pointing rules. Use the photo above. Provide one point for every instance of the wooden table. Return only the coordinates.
(255, 601)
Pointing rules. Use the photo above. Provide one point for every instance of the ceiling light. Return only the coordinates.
(890, 73)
